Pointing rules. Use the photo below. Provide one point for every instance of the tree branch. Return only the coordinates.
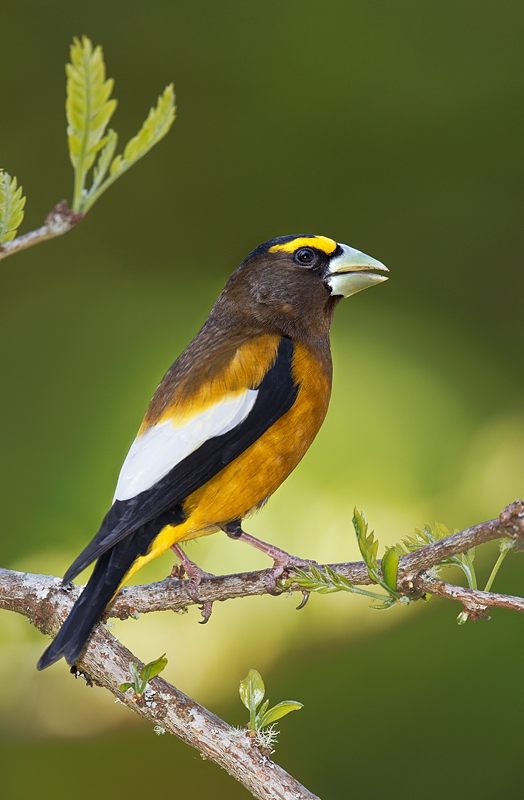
(59, 221)
(172, 594)
(475, 603)
(106, 662)
(46, 603)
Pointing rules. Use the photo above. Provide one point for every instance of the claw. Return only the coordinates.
(305, 598)
(206, 610)
(195, 575)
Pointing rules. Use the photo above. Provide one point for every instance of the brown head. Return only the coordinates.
(291, 285)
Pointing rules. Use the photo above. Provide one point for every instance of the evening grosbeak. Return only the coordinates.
(228, 423)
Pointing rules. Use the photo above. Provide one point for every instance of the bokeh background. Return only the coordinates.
(396, 127)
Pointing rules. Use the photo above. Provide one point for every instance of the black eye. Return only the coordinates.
(305, 256)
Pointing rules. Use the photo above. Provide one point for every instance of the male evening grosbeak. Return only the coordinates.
(230, 420)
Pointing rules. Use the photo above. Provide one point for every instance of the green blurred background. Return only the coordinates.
(395, 127)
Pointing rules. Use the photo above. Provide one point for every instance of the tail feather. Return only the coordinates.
(109, 573)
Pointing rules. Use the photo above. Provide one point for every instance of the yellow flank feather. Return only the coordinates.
(320, 242)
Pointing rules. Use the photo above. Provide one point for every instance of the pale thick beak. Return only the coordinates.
(353, 271)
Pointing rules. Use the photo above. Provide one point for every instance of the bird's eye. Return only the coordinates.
(305, 256)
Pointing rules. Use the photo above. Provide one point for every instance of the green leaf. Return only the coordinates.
(428, 535)
(388, 601)
(390, 561)
(141, 677)
(104, 160)
(252, 690)
(12, 204)
(323, 582)
(465, 562)
(423, 537)
(328, 581)
(157, 124)
(368, 546)
(278, 711)
(154, 668)
(88, 110)
(155, 127)
(260, 715)
(133, 669)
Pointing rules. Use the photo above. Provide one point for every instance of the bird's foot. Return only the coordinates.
(282, 561)
(195, 576)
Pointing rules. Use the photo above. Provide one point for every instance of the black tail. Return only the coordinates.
(109, 572)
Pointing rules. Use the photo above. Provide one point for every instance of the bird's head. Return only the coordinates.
(296, 281)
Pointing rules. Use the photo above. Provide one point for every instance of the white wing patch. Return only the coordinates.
(162, 446)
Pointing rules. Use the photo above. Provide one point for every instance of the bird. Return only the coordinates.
(228, 423)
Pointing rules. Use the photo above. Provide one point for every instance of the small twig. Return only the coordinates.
(59, 221)
(475, 602)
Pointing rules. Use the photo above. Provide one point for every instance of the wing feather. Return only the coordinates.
(161, 447)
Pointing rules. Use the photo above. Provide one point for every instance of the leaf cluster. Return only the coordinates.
(325, 580)
(385, 574)
(12, 204)
(141, 677)
(92, 145)
(252, 691)
(89, 108)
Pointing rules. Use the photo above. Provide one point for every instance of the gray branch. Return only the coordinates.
(43, 600)
(475, 603)
(59, 221)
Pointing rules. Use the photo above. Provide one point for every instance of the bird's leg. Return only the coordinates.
(195, 575)
(282, 561)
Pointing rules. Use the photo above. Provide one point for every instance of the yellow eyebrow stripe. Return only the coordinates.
(320, 242)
